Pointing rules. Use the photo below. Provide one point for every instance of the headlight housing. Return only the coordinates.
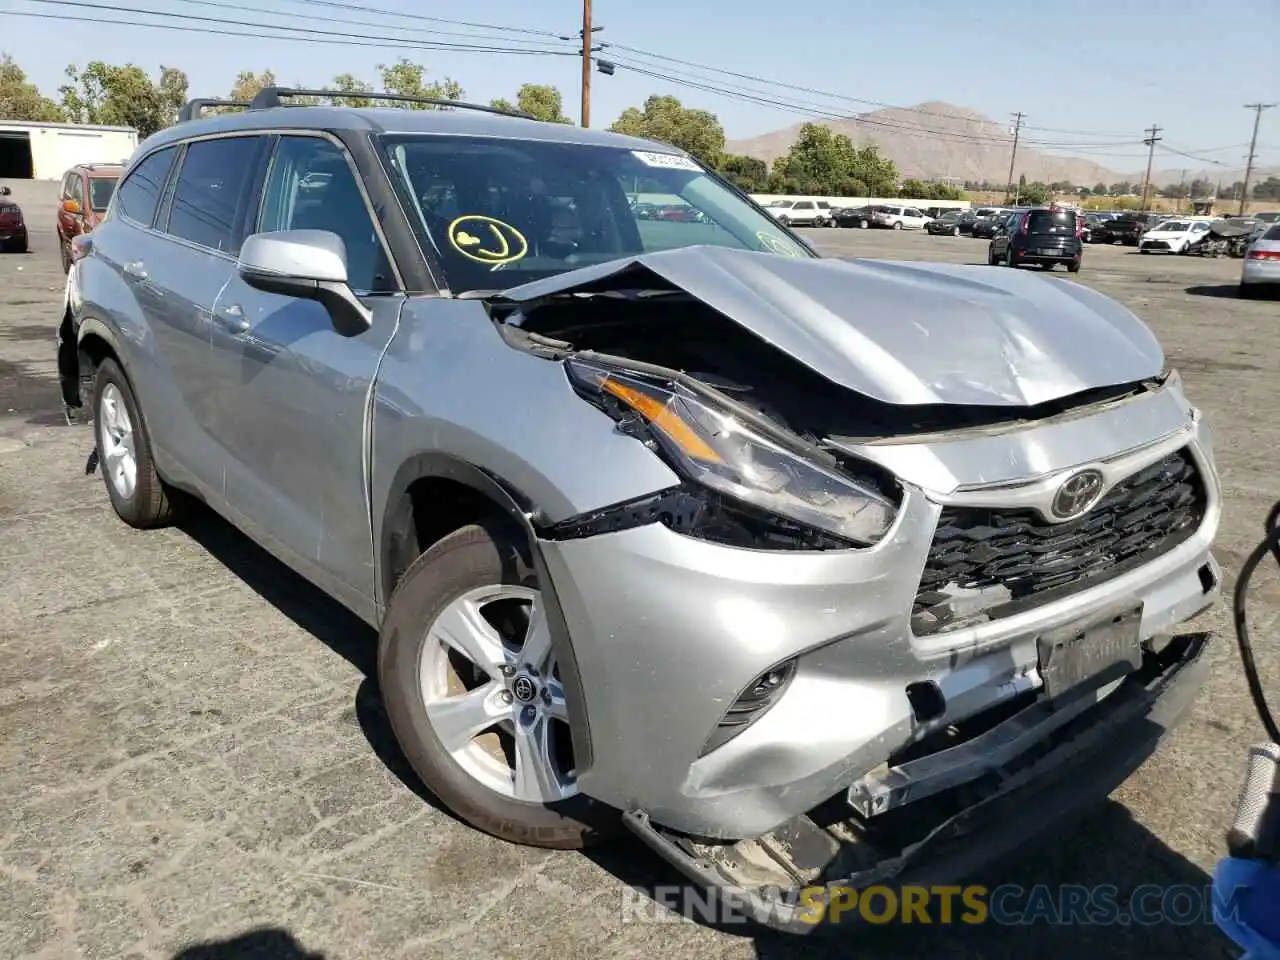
(715, 449)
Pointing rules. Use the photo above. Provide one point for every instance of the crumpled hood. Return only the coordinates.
(905, 333)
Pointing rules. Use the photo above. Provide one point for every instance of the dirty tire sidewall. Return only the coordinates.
(150, 504)
(473, 556)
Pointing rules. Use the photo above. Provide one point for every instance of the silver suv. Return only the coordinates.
(804, 570)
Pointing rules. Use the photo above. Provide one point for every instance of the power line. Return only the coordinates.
(224, 21)
(246, 8)
(765, 98)
(258, 35)
(1257, 109)
(380, 11)
(706, 68)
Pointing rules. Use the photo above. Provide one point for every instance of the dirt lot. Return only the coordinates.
(191, 750)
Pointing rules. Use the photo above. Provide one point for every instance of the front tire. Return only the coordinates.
(137, 493)
(64, 253)
(897, 224)
(955, 231)
(863, 225)
(471, 688)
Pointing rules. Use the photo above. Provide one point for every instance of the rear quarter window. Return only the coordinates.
(1273, 233)
(141, 189)
(1045, 221)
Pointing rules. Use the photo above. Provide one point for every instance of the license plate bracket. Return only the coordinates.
(1078, 660)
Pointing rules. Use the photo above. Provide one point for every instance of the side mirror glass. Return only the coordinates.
(310, 265)
(71, 207)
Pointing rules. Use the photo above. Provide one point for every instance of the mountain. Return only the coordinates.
(941, 140)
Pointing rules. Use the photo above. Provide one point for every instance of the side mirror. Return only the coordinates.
(310, 265)
(5, 191)
(71, 207)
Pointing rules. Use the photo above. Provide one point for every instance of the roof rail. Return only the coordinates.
(269, 97)
(193, 108)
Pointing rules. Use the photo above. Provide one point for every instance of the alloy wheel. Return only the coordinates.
(116, 442)
(492, 692)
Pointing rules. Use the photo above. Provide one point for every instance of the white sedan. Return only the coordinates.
(1172, 236)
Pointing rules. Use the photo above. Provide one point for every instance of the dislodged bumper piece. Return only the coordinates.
(959, 831)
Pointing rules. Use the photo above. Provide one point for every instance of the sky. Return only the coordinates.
(1090, 75)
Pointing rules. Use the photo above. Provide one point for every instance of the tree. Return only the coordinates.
(1268, 189)
(1123, 188)
(20, 100)
(1036, 193)
(746, 173)
(408, 79)
(123, 96)
(248, 84)
(664, 119)
(1200, 188)
(821, 161)
(1232, 192)
(928, 190)
(1099, 189)
(541, 100)
(349, 84)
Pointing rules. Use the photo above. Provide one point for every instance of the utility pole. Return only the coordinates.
(1257, 109)
(1013, 157)
(1182, 189)
(1150, 141)
(586, 63)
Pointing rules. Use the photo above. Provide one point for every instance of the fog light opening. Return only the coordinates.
(927, 701)
(1207, 579)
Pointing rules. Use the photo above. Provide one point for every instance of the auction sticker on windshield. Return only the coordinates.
(486, 240)
(668, 161)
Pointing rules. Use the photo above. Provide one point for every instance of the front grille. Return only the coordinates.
(985, 564)
(1155, 245)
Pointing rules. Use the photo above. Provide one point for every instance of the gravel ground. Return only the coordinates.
(191, 750)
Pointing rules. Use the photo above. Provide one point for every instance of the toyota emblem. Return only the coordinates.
(524, 689)
(1078, 493)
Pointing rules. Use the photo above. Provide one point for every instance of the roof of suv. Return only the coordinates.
(100, 169)
(466, 123)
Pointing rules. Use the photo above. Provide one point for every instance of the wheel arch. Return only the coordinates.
(81, 351)
(434, 494)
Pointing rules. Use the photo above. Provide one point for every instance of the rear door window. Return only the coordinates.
(140, 192)
(213, 190)
(1051, 223)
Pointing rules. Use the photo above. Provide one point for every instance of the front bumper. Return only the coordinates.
(667, 631)
(1026, 797)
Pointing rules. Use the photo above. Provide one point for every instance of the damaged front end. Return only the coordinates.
(862, 627)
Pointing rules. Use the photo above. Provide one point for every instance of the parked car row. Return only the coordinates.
(13, 228)
(83, 198)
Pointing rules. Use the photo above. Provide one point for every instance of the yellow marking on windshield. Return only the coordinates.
(487, 240)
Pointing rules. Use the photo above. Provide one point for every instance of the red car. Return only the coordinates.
(86, 192)
(13, 229)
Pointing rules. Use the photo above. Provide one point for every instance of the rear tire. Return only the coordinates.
(1246, 292)
(476, 561)
(897, 224)
(863, 225)
(1073, 266)
(955, 231)
(64, 252)
(137, 493)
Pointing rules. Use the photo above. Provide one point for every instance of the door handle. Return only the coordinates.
(231, 317)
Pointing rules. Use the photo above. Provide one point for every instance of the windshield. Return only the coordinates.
(1174, 226)
(100, 191)
(505, 212)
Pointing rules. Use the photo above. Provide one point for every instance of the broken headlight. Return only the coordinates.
(714, 448)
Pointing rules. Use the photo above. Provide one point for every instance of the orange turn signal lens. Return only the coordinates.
(665, 419)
